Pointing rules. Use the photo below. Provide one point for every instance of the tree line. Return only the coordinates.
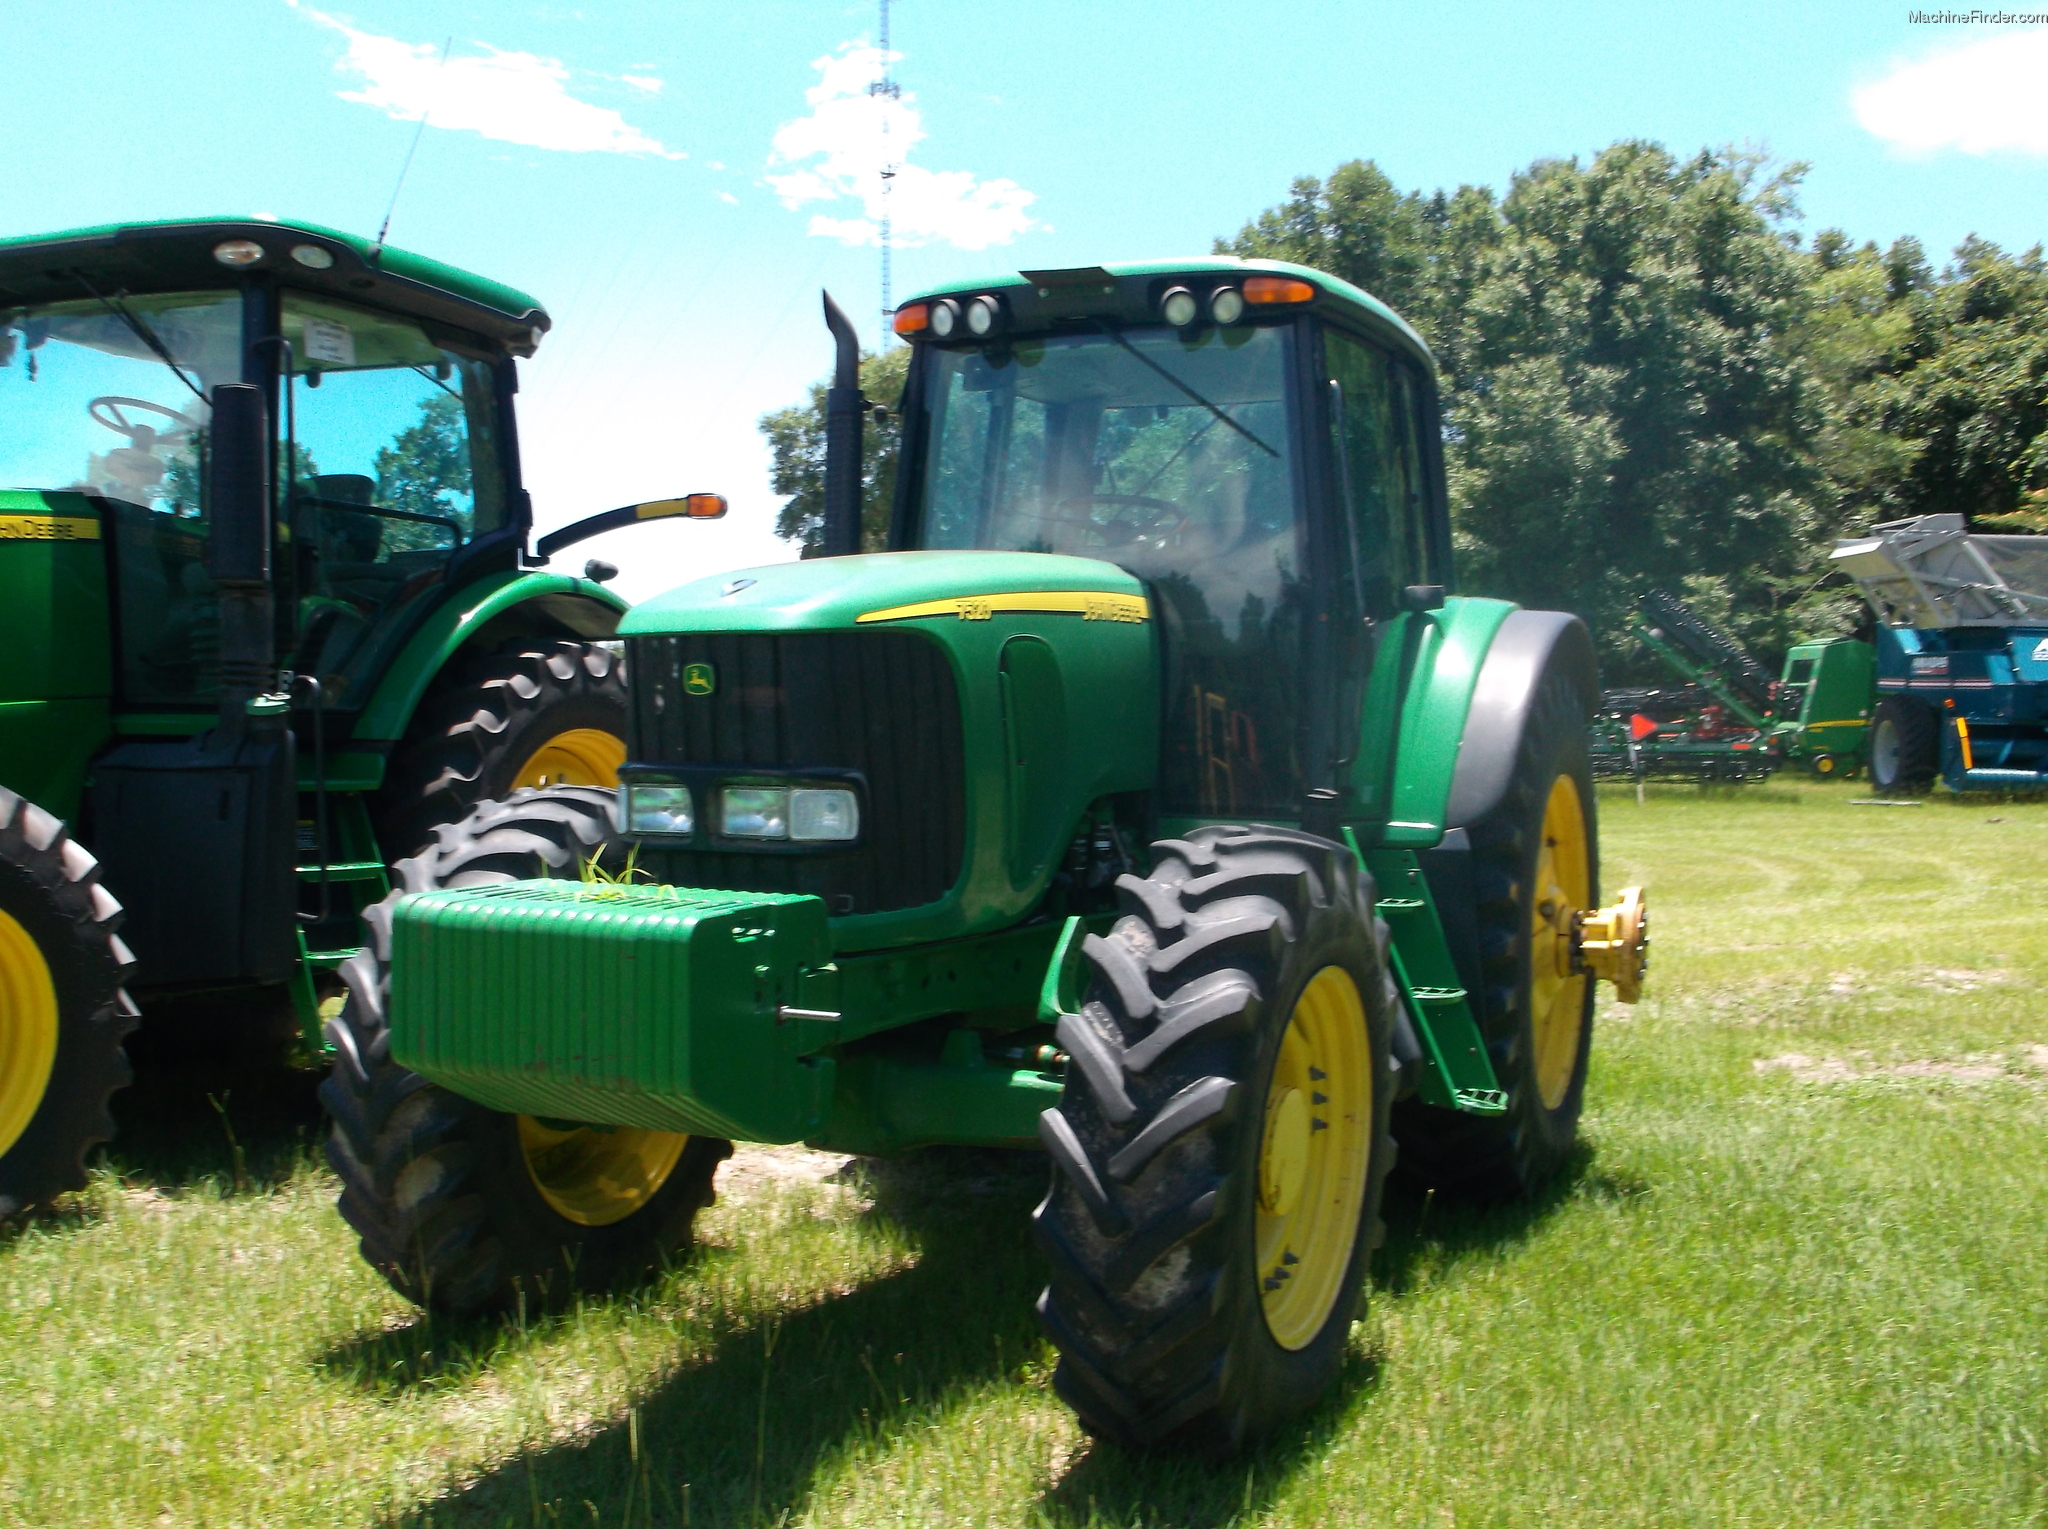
(1651, 378)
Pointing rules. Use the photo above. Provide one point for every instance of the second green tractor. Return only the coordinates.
(1149, 801)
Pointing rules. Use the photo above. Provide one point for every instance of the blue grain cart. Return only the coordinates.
(1962, 654)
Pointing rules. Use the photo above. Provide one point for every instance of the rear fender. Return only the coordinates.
(1529, 645)
(1416, 708)
(496, 609)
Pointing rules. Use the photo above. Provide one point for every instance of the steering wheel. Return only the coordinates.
(1147, 519)
(108, 409)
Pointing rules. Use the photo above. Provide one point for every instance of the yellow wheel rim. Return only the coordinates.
(1313, 1159)
(580, 756)
(593, 1176)
(28, 1030)
(1557, 994)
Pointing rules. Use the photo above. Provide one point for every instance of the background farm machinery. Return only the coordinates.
(1730, 720)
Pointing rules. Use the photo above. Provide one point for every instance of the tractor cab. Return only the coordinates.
(389, 383)
(1254, 441)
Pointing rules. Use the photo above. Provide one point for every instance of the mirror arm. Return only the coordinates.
(625, 515)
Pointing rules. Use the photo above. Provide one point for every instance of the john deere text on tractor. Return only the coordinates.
(1169, 564)
(245, 665)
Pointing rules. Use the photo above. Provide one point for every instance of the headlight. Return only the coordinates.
(819, 815)
(1227, 305)
(805, 814)
(982, 315)
(945, 318)
(1179, 307)
(753, 812)
(652, 809)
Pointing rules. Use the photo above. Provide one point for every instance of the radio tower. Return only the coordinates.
(887, 90)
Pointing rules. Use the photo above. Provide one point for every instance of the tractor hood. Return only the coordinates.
(983, 704)
(887, 587)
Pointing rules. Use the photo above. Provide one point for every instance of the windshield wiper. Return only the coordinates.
(141, 330)
(1117, 336)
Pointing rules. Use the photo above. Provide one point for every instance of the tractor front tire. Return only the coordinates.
(1221, 1143)
(1905, 747)
(1537, 848)
(63, 1013)
(547, 713)
(463, 1208)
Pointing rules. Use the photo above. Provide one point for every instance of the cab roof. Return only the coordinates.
(178, 255)
(1129, 291)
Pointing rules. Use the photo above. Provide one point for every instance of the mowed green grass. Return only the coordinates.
(1797, 1277)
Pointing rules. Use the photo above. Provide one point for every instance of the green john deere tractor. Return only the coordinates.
(1148, 801)
(268, 620)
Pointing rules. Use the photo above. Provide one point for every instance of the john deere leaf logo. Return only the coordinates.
(699, 679)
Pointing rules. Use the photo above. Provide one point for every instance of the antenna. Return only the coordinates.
(406, 168)
(887, 89)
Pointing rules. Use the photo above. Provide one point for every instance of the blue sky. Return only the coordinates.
(676, 181)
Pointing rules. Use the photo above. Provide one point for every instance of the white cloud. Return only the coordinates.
(838, 152)
(727, 196)
(511, 97)
(1979, 98)
(646, 82)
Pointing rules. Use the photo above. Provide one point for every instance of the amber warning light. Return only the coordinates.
(1277, 289)
(696, 506)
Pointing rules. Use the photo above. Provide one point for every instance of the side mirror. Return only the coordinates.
(692, 506)
(238, 487)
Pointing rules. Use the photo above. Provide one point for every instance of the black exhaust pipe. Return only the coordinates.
(845, 411)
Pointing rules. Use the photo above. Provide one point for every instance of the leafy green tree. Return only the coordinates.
(1625, 405)
(1960, 390)
(796, 442)
(425, 471)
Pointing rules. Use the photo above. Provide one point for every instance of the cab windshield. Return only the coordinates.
(1171, 455)
(108, 396)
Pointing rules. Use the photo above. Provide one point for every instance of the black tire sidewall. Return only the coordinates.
(1277, 1379)
(1559, 748)
(527, 731)
(475, 1233)
(85, 972)
(545, 1253)
(1916, 728)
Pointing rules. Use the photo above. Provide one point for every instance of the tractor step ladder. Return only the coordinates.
(1456, 1071)
(359, 883)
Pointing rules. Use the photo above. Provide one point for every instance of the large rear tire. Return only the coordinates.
(1905, 747)
(549, 713)
(63, 1013)
(1220, 1146)
(466, 1209)
(1536, 859)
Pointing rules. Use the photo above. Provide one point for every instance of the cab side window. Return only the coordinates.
(1374, 419)
(394, 466)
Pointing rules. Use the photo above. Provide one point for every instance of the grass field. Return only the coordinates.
(1797, 1277)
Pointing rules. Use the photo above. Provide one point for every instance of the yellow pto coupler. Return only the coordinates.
(1613, 943)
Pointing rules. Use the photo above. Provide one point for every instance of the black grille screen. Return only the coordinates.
(882, 703)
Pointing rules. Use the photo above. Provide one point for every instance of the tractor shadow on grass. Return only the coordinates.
(223, 1098)
(222, 1095)
(738, 1434)
(1428, 1232)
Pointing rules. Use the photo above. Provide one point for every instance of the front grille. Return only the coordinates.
(882, 703)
